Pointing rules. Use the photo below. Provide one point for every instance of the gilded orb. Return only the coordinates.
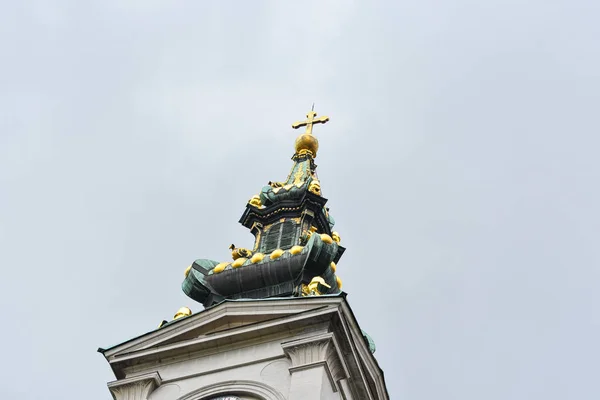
(187, 271)
(307, 142)
(333, 266)
(339, 282)
(257, 257)
(182, 312)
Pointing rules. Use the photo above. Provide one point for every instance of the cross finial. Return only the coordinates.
(310, 121)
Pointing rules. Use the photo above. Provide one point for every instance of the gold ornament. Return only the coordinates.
(298, 182)
(239, 252)
(187, 271)
(307, 143)
(312, 289)
(326, 238)
(336, 237)
(339, 282)
(333, 266)
(296, 250)
(305, 152)
(276, 254)
(182, 312)
(255, 201)
(315, 187)
(220, 267)
(238, 262)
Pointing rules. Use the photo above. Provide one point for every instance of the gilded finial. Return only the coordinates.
(307, 142)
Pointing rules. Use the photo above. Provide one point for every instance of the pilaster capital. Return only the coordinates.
(135, 388)
(319, 350)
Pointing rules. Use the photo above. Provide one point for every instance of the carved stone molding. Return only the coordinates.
(248, 388)
(314, 351)
(135, 388)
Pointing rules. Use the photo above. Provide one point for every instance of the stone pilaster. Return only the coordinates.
(316, 367)
(135, 388)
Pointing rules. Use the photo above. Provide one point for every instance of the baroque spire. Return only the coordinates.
(295, 250)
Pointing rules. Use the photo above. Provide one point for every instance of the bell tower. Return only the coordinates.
(275, 323)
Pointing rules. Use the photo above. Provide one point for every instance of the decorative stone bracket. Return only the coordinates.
(316, 351)
(135, 388)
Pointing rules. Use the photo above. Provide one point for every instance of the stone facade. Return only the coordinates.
(272, 349)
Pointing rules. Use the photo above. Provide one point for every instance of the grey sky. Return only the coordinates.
(460, 163)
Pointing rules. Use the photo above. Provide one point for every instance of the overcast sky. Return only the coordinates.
(460, 163)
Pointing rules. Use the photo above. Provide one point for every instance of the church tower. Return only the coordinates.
(275, 323)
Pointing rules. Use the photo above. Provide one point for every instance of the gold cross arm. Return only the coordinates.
(310, 121)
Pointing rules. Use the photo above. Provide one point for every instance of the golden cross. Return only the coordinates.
(310, 121)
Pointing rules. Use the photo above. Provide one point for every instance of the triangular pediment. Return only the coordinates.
(239, 319)
(221, 324)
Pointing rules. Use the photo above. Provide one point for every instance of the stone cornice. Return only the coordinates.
(275, 306)
(225, 335)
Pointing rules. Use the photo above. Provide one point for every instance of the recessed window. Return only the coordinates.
(281, 235)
